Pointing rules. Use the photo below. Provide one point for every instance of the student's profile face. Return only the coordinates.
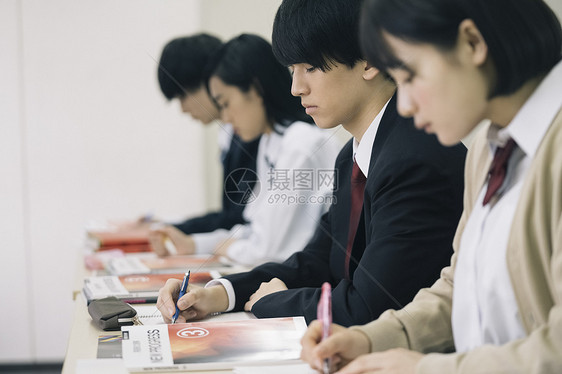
(445, 92)
(244, 110)
(331, 97)
(199, 105)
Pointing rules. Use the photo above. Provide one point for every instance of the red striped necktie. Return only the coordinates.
(498, 170)
(357, 190)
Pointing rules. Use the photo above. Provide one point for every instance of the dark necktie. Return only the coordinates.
(357, 190)
(498, 169)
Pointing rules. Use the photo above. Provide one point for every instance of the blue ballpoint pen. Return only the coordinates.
(183, 290)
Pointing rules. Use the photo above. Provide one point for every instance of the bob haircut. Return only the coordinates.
(182, 64)
(318, 33)
(248, 61)
(524, 37)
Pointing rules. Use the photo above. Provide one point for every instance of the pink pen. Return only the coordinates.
(324, 314)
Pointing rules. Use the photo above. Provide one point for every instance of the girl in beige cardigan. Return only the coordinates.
(498, 307)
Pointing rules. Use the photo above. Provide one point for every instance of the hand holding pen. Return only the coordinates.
(324, 314)
(160, 240)
(183, 290)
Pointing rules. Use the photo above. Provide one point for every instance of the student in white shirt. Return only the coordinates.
(181, 76)
(294, 162)
(498, 307)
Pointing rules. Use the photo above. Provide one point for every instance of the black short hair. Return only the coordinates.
(524, 37)
(247, 60)
(182, 64)
(317, 32)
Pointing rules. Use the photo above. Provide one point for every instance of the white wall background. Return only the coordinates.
(85, 134)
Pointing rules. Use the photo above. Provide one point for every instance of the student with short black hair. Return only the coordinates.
(389, 231)
(498, 306)
(182, 68)
(252, 90)
(182, 75)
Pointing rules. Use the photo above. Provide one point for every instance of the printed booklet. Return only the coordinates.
(212, 345)
(135, 264)
(126, 239)
(141, 288)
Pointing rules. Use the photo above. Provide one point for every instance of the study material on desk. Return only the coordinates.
(141, 288)
(109, 345)
(212, 345)
(99, 260)
(128, 239)
(152, 264)
(149, 314)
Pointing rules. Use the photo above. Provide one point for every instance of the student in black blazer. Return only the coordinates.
(412, 203)
(239, 155)
(181, 75)
(412, 198)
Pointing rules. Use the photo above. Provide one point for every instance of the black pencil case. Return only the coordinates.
(111, 313)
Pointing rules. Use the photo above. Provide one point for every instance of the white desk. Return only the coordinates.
(83, 340)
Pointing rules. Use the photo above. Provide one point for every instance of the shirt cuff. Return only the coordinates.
(229, 291)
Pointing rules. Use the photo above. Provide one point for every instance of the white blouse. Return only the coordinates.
(295, 179)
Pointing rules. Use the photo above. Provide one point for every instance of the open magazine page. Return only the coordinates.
(132, 264)
(213, 344)
(137, 288)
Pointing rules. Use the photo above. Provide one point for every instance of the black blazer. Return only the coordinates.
(412, 204)
(240, 155)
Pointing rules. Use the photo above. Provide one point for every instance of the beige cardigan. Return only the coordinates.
(534, 260)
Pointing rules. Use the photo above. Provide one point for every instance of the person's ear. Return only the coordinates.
(472, 42)
(369, 71)
(255, 90)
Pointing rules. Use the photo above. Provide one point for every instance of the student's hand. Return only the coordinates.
(397, 360)
(197, 302)
(185, 245)
(266, 288)
(342, 346)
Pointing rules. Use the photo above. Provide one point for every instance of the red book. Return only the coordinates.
(141, 288)
(146, 264)
(127, 239)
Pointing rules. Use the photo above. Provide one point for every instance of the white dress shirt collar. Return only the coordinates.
(533, 119)
(362, 150)
(269, 146)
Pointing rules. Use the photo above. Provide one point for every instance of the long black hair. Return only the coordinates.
(247, 61)
(524, 37)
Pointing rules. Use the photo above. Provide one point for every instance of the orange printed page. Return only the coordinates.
(186, 262)
(234, 341)
(121, 236)
(153, 282)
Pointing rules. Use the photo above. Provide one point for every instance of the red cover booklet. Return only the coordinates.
(126, 239)
(135, 264)
(212, 345)
(140, 288)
